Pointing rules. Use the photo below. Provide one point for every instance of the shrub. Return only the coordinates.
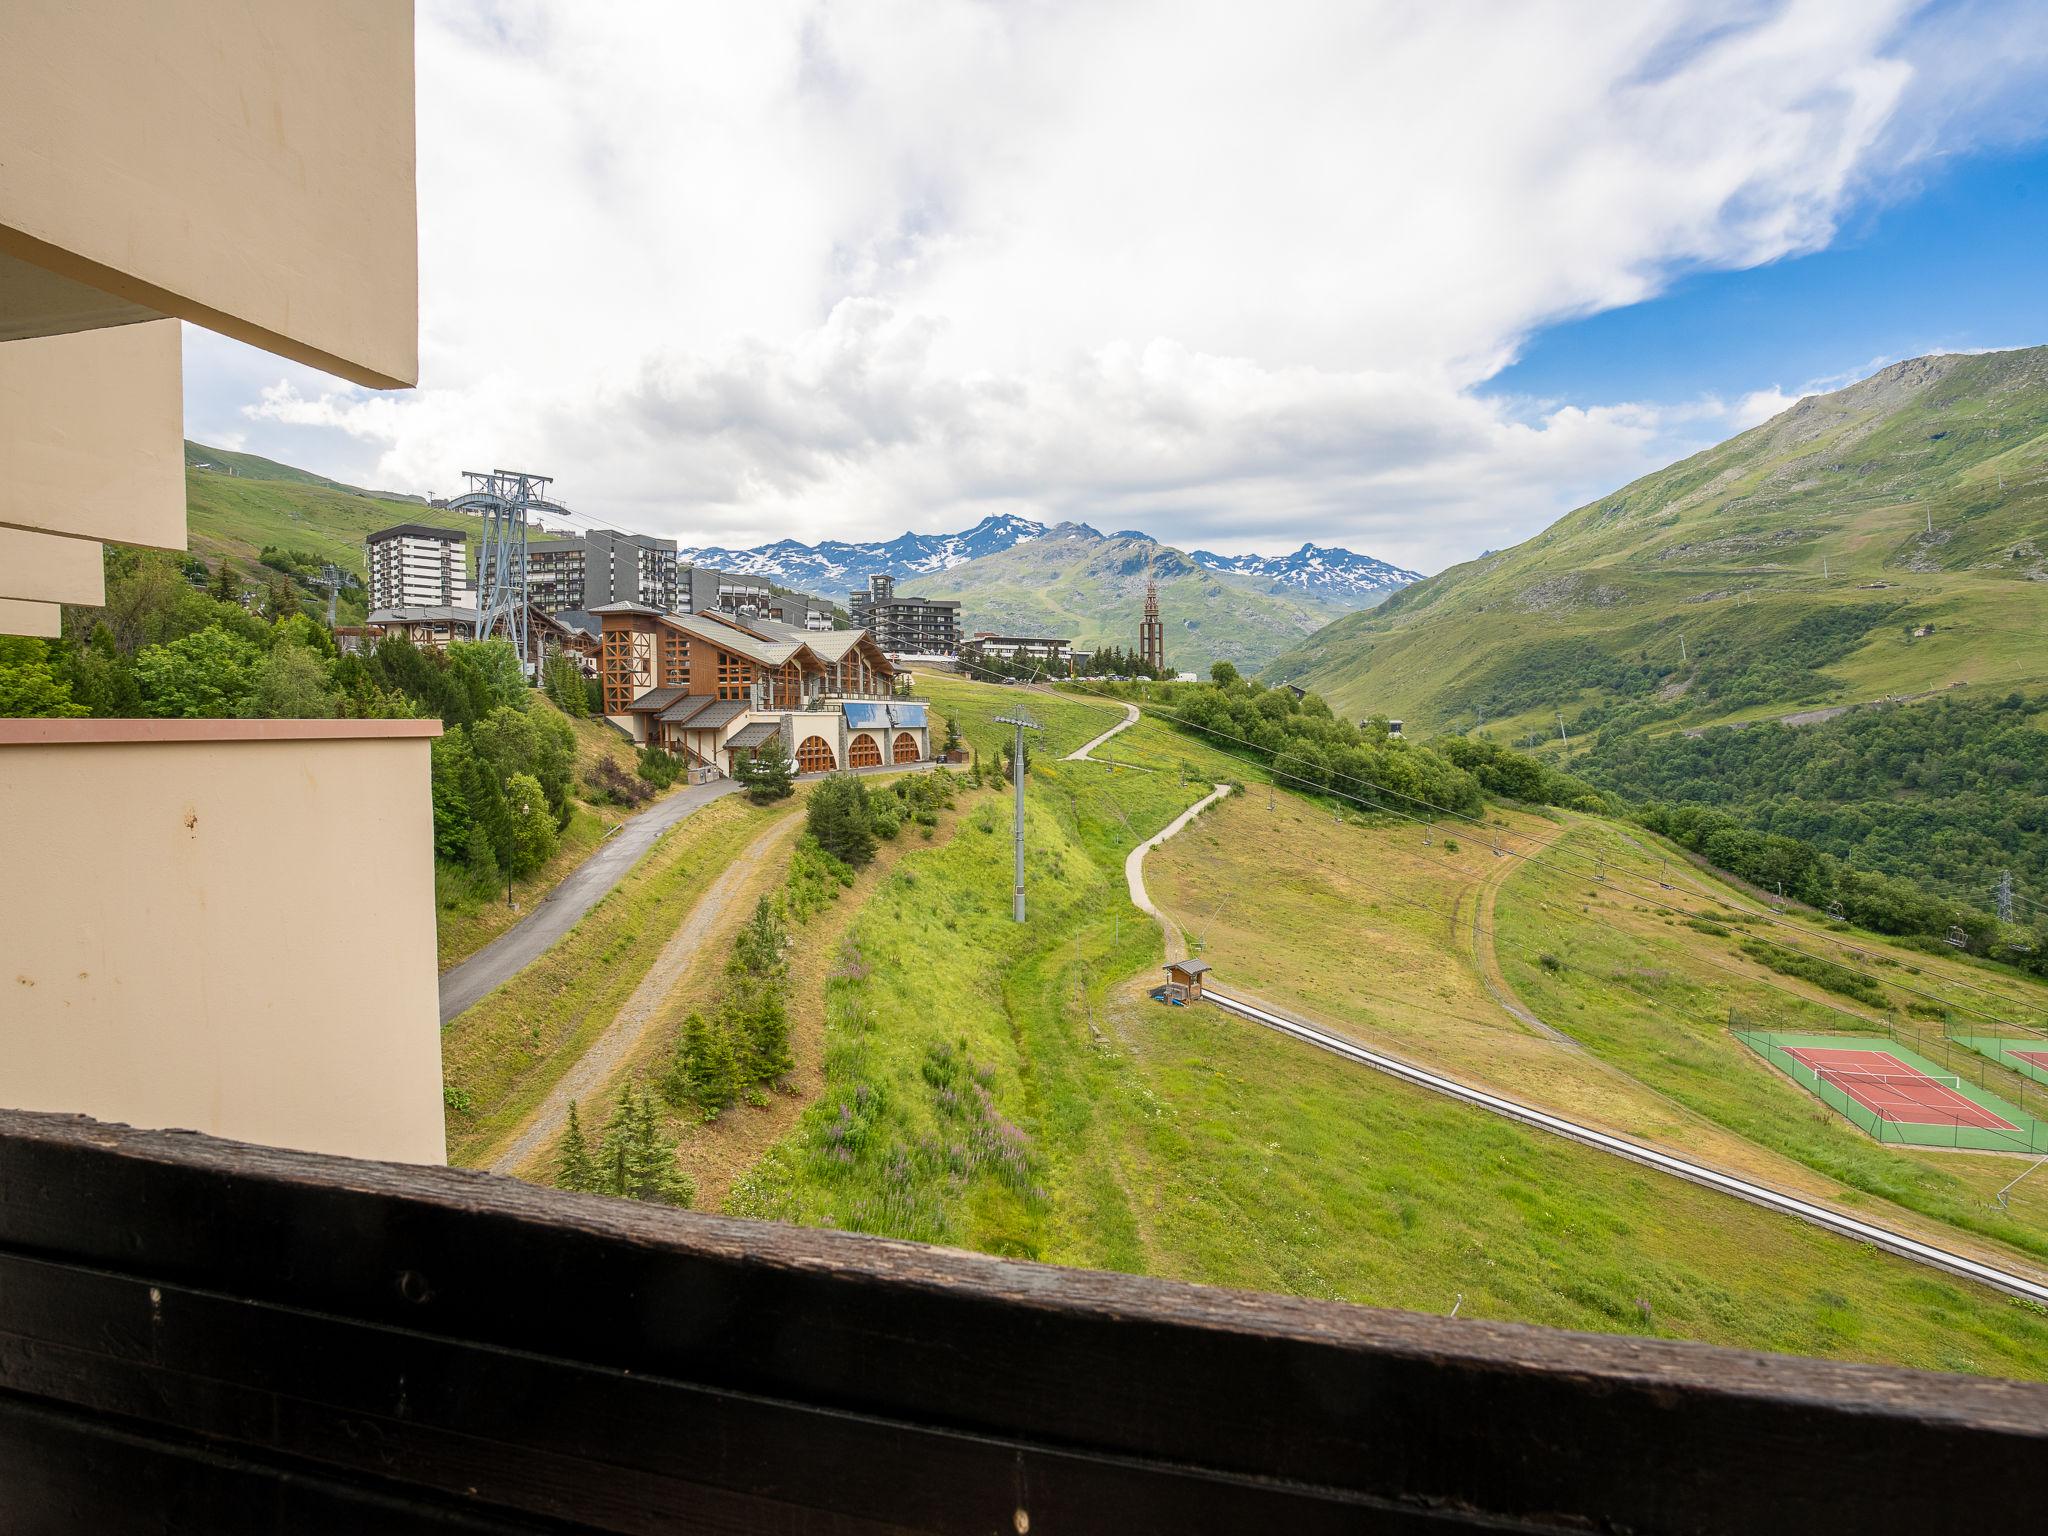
(1825, 974)
(659, 768)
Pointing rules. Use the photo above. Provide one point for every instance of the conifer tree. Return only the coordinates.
(573, 1168)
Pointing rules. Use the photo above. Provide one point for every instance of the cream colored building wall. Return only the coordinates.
(225, 926)
(92, 437)
(243, 164)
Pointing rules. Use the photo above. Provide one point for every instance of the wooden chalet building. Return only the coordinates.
(708, 686)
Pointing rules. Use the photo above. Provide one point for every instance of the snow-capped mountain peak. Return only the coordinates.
(1314, 568)
(833, 568)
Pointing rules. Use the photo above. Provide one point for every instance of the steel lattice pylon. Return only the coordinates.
(504, 498)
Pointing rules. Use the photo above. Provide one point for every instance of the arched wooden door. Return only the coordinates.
(815, 756)
(864, 752)
(906, 748)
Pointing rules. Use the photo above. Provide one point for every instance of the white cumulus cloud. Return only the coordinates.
(1231, 273)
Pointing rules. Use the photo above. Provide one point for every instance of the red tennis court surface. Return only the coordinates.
(2032, 1058)
(1887, 1086)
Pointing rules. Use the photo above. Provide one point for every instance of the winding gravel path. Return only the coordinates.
(610, 1050)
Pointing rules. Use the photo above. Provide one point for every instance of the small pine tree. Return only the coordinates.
(705, 1072)
(771, 780)
(635, 1159)
(952, 742)
(573, 1167)
(758, 1017)
(226, 586)
(840, 818)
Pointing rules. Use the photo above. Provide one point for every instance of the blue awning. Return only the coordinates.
(866, 715)
(907, 716)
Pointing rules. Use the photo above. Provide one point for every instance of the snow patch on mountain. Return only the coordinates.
(834, 567)
(1314, 569)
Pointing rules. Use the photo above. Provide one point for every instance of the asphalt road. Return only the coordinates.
(519, 946)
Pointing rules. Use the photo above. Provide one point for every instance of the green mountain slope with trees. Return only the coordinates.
(1080, 585)
(238, 505)
(1890, 538)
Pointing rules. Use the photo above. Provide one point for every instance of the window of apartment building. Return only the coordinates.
(735, 676)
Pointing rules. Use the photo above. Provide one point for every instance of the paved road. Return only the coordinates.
(1081, 754)
(1698, 1173)
(609, 1051)
(1134, 872)
(519, 946)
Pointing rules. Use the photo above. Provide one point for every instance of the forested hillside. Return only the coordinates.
(1951, 792)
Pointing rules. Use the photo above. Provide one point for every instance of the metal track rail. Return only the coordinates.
(1757, 1194)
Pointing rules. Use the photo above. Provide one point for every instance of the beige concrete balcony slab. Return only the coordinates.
(246, 165)
(48, 568)
(92, 435)
(154, 974)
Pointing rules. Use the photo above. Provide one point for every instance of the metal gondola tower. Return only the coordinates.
(504, 498)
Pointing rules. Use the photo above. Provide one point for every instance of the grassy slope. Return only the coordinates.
(1369, 929)
(1178, 1142)
(1092, 590)
(1730, 545)
(502, 1057)
(236, 515)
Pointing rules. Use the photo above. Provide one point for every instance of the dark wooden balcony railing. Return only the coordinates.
(201, 1336)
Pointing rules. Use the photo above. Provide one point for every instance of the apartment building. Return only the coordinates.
(906, 626)
(554, 573)
(1054, 654)
(247, 168)
(711, 686)
(417, 566)
(706, 589)
(599, 568)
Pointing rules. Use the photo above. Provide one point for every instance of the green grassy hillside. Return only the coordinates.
(1782, 571)
(1077, 584)
(1008, 1088)
(236, 503)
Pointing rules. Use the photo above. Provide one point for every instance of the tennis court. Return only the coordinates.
(1897, 1095)
(2028, 1056)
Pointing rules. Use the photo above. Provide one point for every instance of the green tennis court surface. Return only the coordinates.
(2029, 1057)
(1898, 1095)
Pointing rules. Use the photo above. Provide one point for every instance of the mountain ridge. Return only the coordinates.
(1786, 566)
(1347, 578)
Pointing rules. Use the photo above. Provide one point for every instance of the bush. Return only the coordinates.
(1822, 973)
(659, 768)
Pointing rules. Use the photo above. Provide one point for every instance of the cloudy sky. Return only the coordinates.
(1413, 278)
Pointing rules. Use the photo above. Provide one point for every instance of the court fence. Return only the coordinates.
(1930, 1125)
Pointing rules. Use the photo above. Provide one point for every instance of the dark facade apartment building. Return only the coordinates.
(568, 573)
(907, 626)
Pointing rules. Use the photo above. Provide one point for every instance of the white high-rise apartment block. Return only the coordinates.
(414, 566)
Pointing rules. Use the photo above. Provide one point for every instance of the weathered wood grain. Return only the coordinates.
(473, 1347)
